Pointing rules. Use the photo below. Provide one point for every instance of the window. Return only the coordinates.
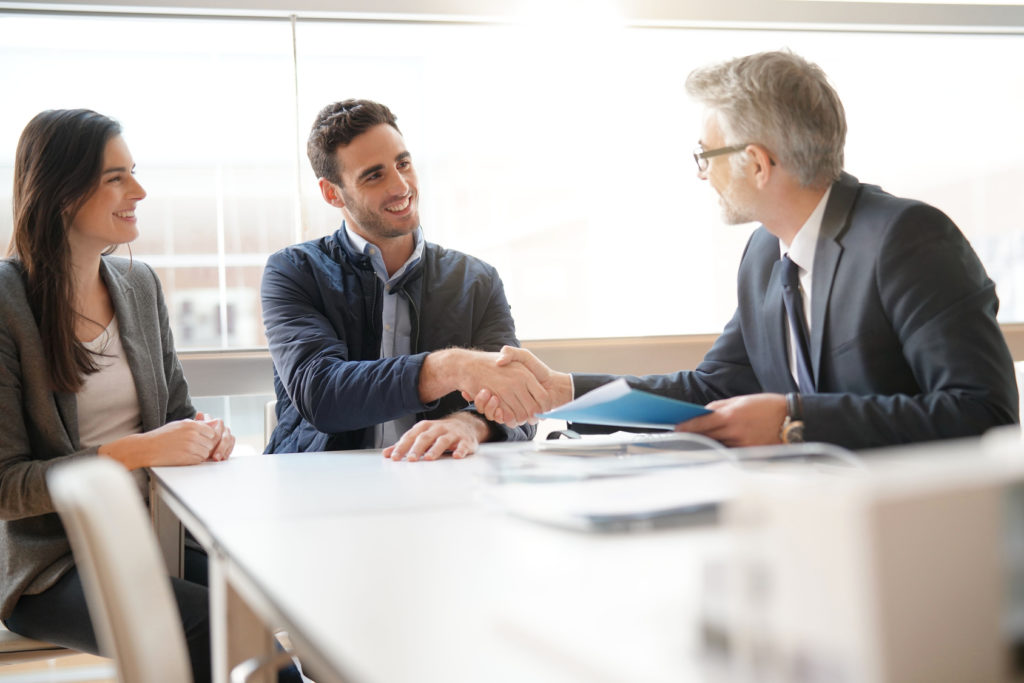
(208, 113)
(560, 155)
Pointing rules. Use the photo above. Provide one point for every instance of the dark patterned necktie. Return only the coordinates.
(798, 323)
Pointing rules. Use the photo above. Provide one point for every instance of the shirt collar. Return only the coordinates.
(367, 249)
(801, 251)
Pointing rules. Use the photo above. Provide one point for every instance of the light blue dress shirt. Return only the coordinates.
(396, 327)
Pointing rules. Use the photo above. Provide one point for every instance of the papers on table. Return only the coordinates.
(623, 482)
(616, 403)
(621, 443)
(627, 503)
(612, 482)
(600, 456)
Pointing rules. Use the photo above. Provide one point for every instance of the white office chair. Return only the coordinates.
(1018, 367)
(130, 600)
(269, 420)
(126, 586)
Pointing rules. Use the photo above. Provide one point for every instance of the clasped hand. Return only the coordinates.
(182, 442)
(516, 388)
(739, 421)
(510, 387)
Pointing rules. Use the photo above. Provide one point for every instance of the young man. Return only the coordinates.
(371, 328)
(863, 320)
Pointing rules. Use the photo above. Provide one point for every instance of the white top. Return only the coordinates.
(108, 404)
(801, 252)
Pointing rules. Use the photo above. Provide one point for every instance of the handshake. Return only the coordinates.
(511, 387)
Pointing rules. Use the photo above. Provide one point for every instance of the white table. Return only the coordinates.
(390, 572)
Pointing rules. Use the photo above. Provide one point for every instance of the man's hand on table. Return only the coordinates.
(459, 434)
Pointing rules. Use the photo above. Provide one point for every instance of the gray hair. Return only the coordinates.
(781, 101)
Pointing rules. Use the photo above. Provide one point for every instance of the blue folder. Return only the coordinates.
(619, 405)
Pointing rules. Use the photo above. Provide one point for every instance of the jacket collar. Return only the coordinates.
(349, 251)
(134, 338)
(834, 224)
(361, 261)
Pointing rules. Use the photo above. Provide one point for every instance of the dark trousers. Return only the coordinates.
(59, 615)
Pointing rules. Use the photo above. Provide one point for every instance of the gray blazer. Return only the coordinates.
(39, 428)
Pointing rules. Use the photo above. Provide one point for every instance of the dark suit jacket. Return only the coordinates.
(39, 428)
(904, 341)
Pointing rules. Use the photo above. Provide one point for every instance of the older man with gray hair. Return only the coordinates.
(863, 319)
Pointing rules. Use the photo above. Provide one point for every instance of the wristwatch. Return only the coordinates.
(793, 426)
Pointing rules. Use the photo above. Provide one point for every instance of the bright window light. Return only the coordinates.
(560, 156)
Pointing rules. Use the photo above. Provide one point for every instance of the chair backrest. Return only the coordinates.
(1018, 368)
(269, 420)
(126, 586)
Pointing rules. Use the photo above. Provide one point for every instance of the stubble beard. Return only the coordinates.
(375, 224)
(733, 214)
(735, 210)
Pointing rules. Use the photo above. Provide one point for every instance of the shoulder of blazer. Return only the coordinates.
(128, 274)
(875, 211)
(11, 271)
(445, 264)
(12, 284)
(836, 220)
(127, 269)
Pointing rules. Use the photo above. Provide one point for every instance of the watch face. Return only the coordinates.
(794, 432)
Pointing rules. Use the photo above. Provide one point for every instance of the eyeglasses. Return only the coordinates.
(701, 156)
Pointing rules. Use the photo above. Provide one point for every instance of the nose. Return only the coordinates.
(702, 174)
(138, 192)
(399, 184)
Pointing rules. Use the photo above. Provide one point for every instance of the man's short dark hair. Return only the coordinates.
(336, 126)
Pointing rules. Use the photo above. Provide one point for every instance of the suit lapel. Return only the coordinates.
(67, 408)
(134, 340)
(826, 260)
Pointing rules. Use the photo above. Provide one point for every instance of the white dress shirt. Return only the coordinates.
(801, 252)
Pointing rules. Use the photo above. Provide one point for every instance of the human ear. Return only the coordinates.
(763, 164)
(331, 193)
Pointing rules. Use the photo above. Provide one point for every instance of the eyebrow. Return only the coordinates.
(380, 167)
(116, 169)
(370, 171)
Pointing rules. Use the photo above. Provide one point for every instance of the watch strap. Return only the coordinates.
(794, 406)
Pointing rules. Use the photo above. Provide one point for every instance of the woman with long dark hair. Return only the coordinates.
(87, 369)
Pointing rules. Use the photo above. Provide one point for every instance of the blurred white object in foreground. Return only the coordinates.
(913, 571)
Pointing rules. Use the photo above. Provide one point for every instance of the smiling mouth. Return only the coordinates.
(125, 214)
(401, 206)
